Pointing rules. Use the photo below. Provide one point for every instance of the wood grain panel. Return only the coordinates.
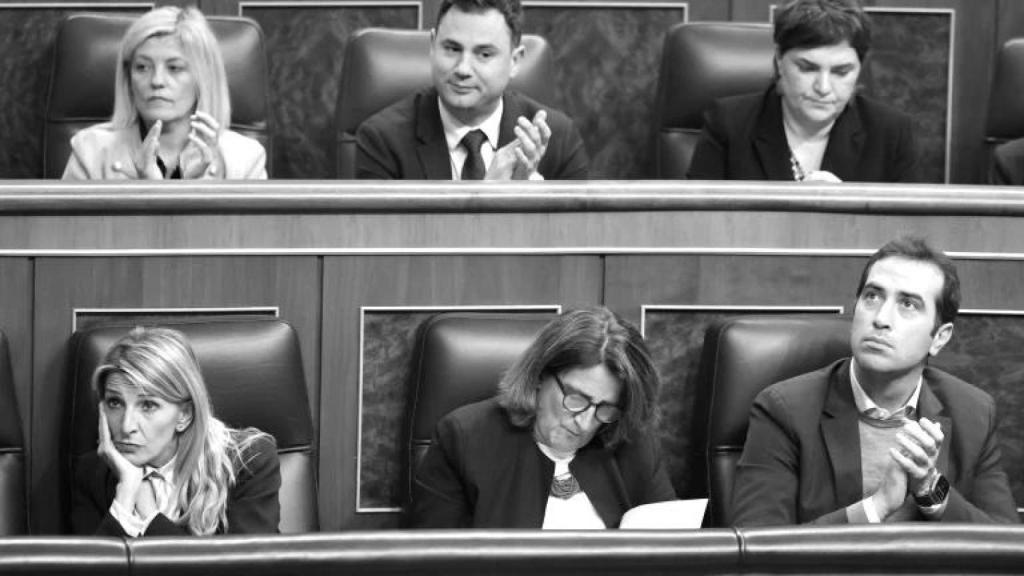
(16, 323)
(352, 282)
(292, 284)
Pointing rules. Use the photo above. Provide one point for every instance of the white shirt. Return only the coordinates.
(163, 487)
(575, 513)
(455, 131)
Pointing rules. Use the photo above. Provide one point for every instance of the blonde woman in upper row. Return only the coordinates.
(171, 109)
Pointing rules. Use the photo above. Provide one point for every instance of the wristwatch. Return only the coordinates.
(937, 495)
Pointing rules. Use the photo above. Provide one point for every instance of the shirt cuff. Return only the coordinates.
(132, 524)
(863, 512)
(535, 176)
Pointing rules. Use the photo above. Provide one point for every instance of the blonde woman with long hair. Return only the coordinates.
(171, 109)
(165, 465)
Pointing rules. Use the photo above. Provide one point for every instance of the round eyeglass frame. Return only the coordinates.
(577, 404)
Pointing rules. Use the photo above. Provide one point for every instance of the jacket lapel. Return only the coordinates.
(929, 406)
(845, 144)
(599, 477)
(770, 144)
(431, 147)
(512, 110)
(839, 428)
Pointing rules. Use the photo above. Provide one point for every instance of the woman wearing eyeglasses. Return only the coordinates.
(566, 443)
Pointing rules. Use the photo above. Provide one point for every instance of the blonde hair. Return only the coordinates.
(160, 362)
(190, 28)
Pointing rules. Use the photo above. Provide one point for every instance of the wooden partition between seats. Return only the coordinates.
(356, 267)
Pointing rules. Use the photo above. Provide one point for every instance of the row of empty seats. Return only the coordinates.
(701, 61)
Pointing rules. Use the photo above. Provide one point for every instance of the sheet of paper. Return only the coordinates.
(670, 515)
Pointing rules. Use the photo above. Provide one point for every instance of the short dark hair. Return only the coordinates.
(815, 23)
(914, 248)
(511, 10)
(580, 339)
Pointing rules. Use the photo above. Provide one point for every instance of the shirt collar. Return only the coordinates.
(454, 130)
(166, 471)
(865, 404)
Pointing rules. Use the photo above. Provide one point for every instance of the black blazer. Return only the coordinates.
(483, 472)
(1008, 164)
(406, 140)
(252, 506)
(744, 139)
(801, 460)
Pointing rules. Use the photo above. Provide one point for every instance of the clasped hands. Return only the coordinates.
(132, 492)
(912, 468)
(203, 135)
(519, 159)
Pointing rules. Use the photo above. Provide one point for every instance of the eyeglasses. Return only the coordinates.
(578, 403)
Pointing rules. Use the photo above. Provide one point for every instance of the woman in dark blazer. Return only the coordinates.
(165, 465)
(811, 125)
(566, 443)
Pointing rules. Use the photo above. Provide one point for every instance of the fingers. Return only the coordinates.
(204, 126)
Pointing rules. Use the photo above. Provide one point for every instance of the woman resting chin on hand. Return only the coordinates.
(171, 109)
(165, 465)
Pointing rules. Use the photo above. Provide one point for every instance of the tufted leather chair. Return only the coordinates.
(253, 370)
(1004, 132)
(13, 500)
(459, 359)
(741, 357)
(382, 66)
(700, 62)
(82, 80)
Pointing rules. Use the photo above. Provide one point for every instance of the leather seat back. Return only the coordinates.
(741, 357)
(700, 62)
(253, 370)
(384, 65)
(85, 61)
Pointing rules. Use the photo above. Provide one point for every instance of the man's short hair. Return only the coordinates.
(914, 248)
(816, 23)
(511, 10)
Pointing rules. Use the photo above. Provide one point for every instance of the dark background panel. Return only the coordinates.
(986, 351)
(305, 50)
(607, 62)
(26, 56)
(352, 282)
(62, 285)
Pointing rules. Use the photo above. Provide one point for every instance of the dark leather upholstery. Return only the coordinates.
(459, 359)
(13, 499)
(741, 357)
(881, 549)
(447, 552)
(253, 370)
(82, 80)
(382, 66)
(1005, 105)
(700, 62)
(63, 556)
(913, 548)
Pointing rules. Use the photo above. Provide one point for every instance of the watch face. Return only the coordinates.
(936, 496)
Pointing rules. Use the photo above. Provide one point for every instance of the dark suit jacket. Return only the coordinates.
(483, 472)
(801, 460)
(406, 140)
(1008, 164)
(252, 506)
(744, 139)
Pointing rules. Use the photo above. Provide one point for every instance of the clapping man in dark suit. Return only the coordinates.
(469, 126)
(881, 436)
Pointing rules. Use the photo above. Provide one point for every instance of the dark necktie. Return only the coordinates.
(474, 168)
